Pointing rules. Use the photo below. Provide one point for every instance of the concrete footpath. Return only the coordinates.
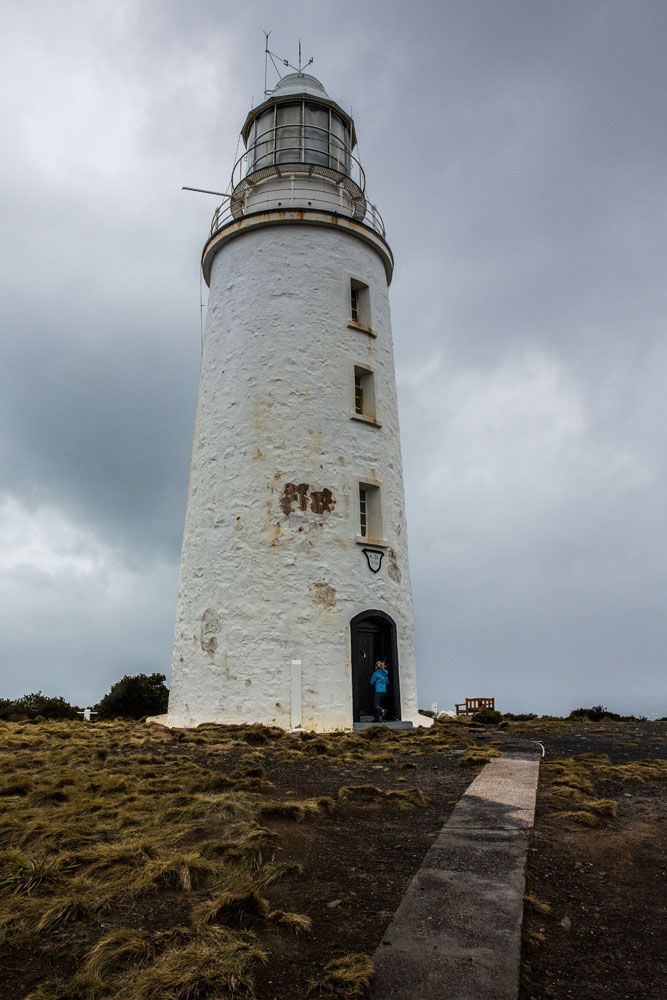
(457, 932)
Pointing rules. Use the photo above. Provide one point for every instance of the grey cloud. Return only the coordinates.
(517, 153)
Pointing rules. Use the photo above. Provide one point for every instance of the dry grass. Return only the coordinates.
(404, 798)
(298, 923)
(345, 978)
(296, 811)
(234, 909)
(534, 939)
(536, 905)
(118, 949)
(582, 816)
(23, 874)
(102, 824)
(641, 771)
(602, 807)
(71, 908)
(215, 963)
(570, 787)
(479, 755)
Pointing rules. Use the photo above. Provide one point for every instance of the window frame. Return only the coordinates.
(369, 512)
(363, 379)
(359, 306)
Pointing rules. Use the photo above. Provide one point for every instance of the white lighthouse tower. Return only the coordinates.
(294, 568)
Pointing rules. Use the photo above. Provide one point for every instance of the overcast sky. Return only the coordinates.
(517, 151)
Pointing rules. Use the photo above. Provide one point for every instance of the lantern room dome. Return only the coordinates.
(300, 83)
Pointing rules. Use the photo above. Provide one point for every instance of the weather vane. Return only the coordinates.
(272, 56)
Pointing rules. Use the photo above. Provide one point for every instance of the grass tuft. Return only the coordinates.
(346, 977)
(534, 939)
(180, 871)
(118, 949)
(235, 909)
(22, 874)
(581, 816)
(298, 923)
(407, 798)
(478, 755)
(68, 910)
(640, 771)
(359, 793)
(537, 905)
(216, 963)
(296, 811)
(603, 807)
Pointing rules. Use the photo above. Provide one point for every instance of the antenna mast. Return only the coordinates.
(268, 54)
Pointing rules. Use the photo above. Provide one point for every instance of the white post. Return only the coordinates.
(297, 695)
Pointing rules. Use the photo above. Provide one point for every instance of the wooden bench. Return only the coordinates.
(473, 705)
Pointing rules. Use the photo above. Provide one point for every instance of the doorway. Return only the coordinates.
(373, 637)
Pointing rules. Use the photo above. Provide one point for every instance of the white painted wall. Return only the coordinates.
(259, 588)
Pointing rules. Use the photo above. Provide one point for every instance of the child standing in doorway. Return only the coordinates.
(380, 684)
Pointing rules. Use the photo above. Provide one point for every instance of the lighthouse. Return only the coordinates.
(294, 575)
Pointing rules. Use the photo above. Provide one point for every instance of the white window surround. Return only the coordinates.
(363, 419)
(374, 525)
(363, 379)
(359, 305)
(363, 329)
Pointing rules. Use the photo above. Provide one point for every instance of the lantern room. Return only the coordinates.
(298, 154)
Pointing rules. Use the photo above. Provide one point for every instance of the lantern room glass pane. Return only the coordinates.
(340, 144)
(288, 134)
(265, 140)
(250, 155)
(316, 134)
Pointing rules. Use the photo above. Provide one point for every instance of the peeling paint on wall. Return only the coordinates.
(392, 566)
(296, 496)
(210, 626)
(323, 593)
(322, 501)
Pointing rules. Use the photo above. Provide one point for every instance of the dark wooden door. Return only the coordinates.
(363, 665)
(373, 638)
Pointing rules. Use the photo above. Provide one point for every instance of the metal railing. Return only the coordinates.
(223, 216)
(307, 149)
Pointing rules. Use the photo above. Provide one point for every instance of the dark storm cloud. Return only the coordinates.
(517, 152)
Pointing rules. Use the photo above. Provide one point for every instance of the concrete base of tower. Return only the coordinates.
(321, 726)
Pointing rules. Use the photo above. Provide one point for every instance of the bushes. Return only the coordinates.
(36, 704)
(135, 697)
(129, 698)
(487, 717)
(597, 713)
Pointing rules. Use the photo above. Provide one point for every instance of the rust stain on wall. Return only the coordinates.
(321, 501)
(295, 496)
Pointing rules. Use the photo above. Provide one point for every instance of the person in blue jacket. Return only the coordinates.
(380, 684)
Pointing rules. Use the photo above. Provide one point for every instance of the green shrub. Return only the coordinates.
(598, 713)
(487, 717)
(135, 697)
(36, 704)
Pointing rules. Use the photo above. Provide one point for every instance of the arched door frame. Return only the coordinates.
(394, 662)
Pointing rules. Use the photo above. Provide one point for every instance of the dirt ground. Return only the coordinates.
(351, 862)
(357, 862)
(604, 935)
